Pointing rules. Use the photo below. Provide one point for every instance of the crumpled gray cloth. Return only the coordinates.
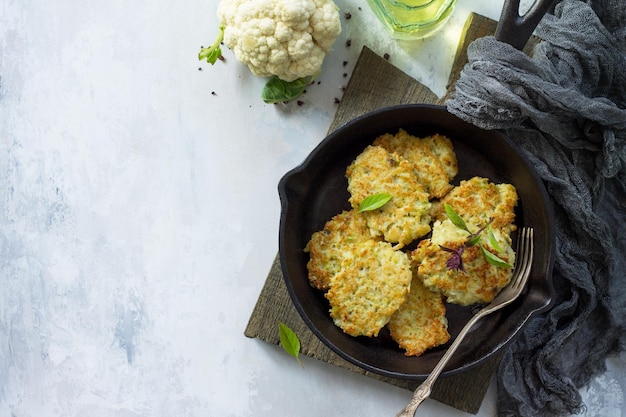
(565, 107)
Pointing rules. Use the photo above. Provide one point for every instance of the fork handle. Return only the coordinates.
(423, 391)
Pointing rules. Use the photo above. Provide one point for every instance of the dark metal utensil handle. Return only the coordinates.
(515, 29)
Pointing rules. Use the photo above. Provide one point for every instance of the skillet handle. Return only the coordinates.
(515, 29)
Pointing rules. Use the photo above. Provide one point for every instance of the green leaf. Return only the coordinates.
(472, 240)
(280, 91)
(455, 218)
(213, 52)
(289, 340)
(374, 201)
(493, 241)
(493, 259)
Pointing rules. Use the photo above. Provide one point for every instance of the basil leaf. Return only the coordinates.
(374, 201)
(493, 259)
(472, 240)
(493, 241)
(455, 218)
(289, 340)
(280, 91)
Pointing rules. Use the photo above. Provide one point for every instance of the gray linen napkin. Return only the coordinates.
(565, 107)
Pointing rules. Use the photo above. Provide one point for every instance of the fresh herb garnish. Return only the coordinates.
(492, 240)
(289, 340)
(455, 261)
(280, 91)
(374, 202)
(455, 218)
(493, 259)
(213, 52)
(474, 238)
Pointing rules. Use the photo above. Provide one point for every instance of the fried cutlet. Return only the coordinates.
(433, 159)
(442, 147)
(406, 216)
(328, 246)
(420, 323)
(478, 282)
(478, 201)
(372, 284)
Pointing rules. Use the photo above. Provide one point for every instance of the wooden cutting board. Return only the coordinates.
(375, 83)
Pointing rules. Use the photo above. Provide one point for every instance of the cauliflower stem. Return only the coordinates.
(213, 52)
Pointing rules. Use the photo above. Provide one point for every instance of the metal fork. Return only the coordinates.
(505, 297)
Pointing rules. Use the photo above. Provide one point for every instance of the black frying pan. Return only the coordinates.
(316, 190)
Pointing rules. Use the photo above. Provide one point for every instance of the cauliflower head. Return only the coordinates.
(283, 38)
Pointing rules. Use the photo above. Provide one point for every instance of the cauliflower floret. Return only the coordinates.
(325, 25)
(295, 13)
(285, 38)
(300, 46)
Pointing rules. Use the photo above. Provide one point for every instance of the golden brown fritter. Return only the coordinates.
(372, 284)
(442, 147)
(328, 246)
(406, 216)
(420, 323)
(433, 159)
(479, 282)
(478, 200)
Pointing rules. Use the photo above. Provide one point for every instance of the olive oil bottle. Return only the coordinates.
(412, 19)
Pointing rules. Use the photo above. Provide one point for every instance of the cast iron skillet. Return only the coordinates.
(516, 29)
(315, 191)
